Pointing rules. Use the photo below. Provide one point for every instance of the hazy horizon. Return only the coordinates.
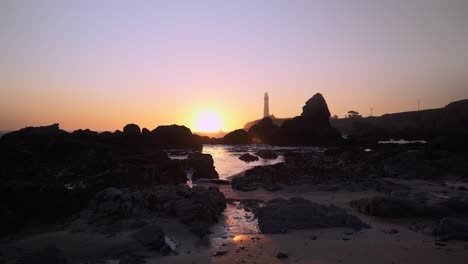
(101, 65)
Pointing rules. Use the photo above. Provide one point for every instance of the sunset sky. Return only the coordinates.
(103, 64)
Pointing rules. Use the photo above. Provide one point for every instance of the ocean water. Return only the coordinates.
(226, 157)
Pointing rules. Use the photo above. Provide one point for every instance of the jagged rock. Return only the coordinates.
(198, 207)
(267, 177)
(42, 131)
(267, 154)
(280, 216)
(202, 165)
(451, 228)
(145, 132)
(116, 203)
(247, 157)
(238, 136)
(85, 133)
(131, 130)
(407, 204)
(312, 127)
(47, 255)
(264, 132)
(387, 207)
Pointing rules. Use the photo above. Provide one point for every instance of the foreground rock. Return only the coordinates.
(267, 154)
(407, 204)
(115, 203)
(259, 177)
(264, 132)
(239, 136)
(247, 157)
(203, 166)
(280, 216)
(50, 174)
(451, 228)
(197, 207)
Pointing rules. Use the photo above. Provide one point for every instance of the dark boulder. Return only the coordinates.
(197, 207)
(202, 165)
(417, 204)
(116, 203)
(267, 154)
(312, 127)
(131, 130)
(47, 255)
(86, 133)
(172, 131)
(28, 132)
(175, 136)
(247, 157)
(388, 207)
(239, 136)
(145, 132)
(267, 177)
(264, 132)
(174, 173)
(451, 228)
(280, 216)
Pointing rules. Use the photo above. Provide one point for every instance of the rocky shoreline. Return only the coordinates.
(87, 197)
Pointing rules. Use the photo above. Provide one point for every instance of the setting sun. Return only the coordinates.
(208, 122)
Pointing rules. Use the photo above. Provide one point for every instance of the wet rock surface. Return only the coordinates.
(451, 228)
(280, 216)
(267, 154)
(247, 157)
(202, 165)
(197, 207)
(413, 204)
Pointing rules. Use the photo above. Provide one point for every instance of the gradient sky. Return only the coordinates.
(102, 64)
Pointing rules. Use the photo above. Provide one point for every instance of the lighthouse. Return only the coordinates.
(266, 108)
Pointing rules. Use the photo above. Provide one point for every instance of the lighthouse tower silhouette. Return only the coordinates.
(266, 107)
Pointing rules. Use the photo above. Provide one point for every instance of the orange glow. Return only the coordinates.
(239, 238)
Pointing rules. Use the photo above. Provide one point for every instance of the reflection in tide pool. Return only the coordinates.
(235, 223)
(227, 162)
(226, 157)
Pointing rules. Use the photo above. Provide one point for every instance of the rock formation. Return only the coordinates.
(238, 136)
(280, 216)
(264, 132)
(312, 127)
(131, 130)
(202, 165)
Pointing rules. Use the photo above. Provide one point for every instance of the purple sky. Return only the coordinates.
(102, 64)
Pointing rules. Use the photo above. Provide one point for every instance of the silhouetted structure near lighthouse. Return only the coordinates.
(266, 107)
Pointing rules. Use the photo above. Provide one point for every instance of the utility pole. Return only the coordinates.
(371, 111)
(419, 103)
